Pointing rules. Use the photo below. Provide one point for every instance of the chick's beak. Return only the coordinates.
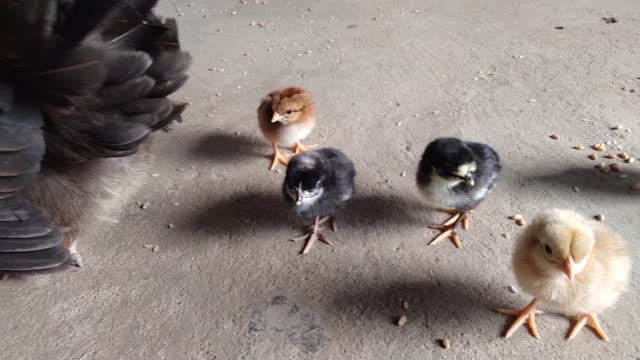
(469, 179)
(276, 117)
(567, 267)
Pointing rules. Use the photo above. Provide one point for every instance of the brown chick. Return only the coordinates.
(286, 117)
(572, 265)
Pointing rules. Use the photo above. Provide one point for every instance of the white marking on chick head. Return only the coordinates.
(466, 169)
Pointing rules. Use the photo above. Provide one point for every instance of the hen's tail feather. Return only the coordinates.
(175, 115)
(121, 136)
(33, 260)
(125, 65)
(83, 16)
(96, 61)
(168, 87)
(28, 241)
(160, 107)
(123, 93)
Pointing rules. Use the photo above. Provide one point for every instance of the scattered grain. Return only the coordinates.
(402, 320)
(615, 168)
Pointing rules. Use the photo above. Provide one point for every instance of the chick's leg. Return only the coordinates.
(314, 234)
(527, 314)
(299, 148)
(587, 319)
(277, 157)
(448, 228)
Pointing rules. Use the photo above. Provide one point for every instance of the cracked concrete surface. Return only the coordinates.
(387, 77)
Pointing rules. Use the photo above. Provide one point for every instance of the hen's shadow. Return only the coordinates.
(589, 180)
(228, 148)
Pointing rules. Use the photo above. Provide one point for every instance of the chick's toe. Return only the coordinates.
(527, 314)
(299, 148)
(592, 321)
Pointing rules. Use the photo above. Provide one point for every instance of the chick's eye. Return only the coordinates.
(548, 250)
(288, 112)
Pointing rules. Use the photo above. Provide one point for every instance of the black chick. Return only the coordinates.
(318, 183)
(455, 176)
(83, 84)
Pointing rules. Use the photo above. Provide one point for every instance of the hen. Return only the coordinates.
(82, 86)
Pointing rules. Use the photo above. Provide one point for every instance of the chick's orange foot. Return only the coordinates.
(314, 233)
(299, 148)
(592, 321)
(448, 228)
(527, 314)
(278, 158)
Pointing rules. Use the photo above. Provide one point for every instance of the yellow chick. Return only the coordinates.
(574, 266)
(285, 118)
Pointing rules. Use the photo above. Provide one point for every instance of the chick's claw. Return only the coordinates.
(278, 158)
(299, 148)
(448, 228)
(592, 321)
(524, 315)
(314, 235)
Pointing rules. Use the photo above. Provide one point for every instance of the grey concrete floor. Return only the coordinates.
(387, 77)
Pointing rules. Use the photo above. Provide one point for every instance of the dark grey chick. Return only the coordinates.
(318, 183)
(455, 176)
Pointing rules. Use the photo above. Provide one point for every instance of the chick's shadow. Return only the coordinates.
(261, 211)
(438, 304)
(242, 213)
(227, 148)
(589, 180)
